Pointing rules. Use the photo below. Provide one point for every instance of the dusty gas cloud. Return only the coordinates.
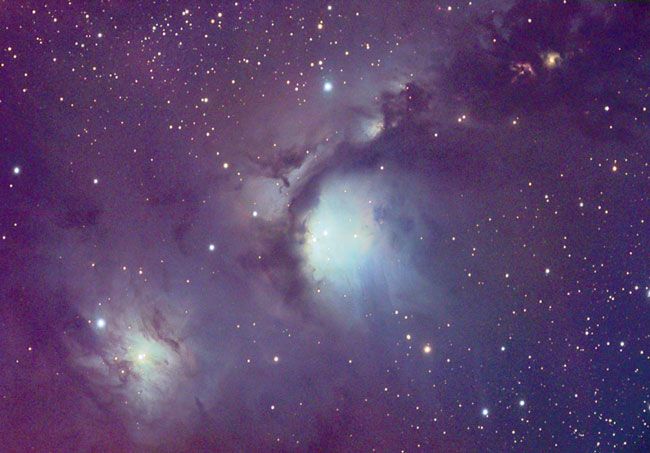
(301, 227)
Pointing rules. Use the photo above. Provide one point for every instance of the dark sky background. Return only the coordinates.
(345, 226)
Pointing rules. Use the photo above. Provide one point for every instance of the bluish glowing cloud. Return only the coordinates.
(344, 241)
(341, 232)
(361, 239)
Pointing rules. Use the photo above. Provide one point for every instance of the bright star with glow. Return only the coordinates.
(100, 323)
(552, 59)
(328, 86)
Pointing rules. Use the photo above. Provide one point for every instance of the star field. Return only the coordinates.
(324, 226)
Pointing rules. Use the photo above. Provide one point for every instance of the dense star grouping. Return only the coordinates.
(305, 226)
